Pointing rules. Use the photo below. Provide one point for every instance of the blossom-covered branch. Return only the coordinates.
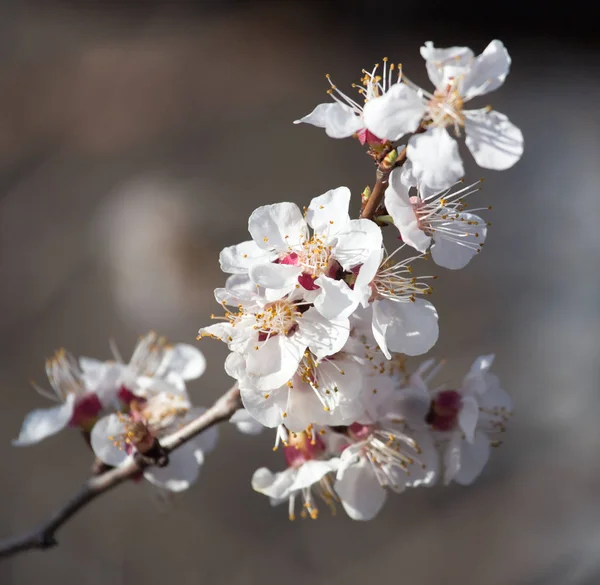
(44, 536)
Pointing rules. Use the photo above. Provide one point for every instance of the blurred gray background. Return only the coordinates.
(136, 138)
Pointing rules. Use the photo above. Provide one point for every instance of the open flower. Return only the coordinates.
(271, 338)
(117, 437)
(309, 472)
(440, 221)
(465, 422)
(382, 454)
(458, 76)
(282, 256)
(84, 388)
(401, 322)
(344, 117)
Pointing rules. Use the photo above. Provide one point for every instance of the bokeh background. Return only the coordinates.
(136, 138)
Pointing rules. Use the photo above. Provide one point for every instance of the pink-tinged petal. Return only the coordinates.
(435, 160)
(456, 250)
(240, 258)
(367, 137)
(494, 141)
(45, 422)
(405, 327)
(338, 120)
(397, 112)
(473, 457)
(275, 276)
(266, 407)
(278, 226)
(324, 337)
(488, 72)
(438, 59)
(361, 238)
(359, 490)
(182, 470)
(399, 206)
(327, 214)
(468, 417)
(107, 441)
(336, 298)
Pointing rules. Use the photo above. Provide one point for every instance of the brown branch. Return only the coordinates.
(374, 202)
(43, 536)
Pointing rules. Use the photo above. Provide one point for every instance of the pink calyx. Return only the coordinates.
(303, 448)
(444, 410)
(367, 137)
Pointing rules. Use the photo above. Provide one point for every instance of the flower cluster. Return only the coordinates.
(124, 408)
(320, 314)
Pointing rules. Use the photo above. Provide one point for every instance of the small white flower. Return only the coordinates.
(117, 437)
(282, 256)
(271, 338)
(440, 221)
(85, 389)
(465, 422)
(383, 454)
(458, 76)
(401, 322)
(309, 470)
(344, 117)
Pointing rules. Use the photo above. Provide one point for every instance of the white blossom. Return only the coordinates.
(282, 256)
(440, 222)
(465, 422)
(84, 389)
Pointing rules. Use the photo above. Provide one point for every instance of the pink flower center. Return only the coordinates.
(360, 431)
(86, 411)
(444, 410)
(301, 448)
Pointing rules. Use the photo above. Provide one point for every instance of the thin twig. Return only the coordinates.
(374, 202)
(43, 536)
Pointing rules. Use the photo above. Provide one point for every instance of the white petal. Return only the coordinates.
(303, 408)
(276, 276)
(395, 113)
(246, 423)
(313, 471)
(359, 490)
(339, 120)
(185, 360)
(240, 258)
(436, 162)
(468, 416)
(438, 59)
(239, 289)
(494, 141)
(274, 485)
(45, 422)
(106, 432)
(328, 213)
(366, 274)
(266, 408)
(324, 337)
(399, 206)
(455, 251)
(488, 71)
(425, 471)
(181, 472)
(361, 238)
(452, 457)
(473, 457)
(407, 327)
(275, 362)
(336, 298)
(277, 226)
